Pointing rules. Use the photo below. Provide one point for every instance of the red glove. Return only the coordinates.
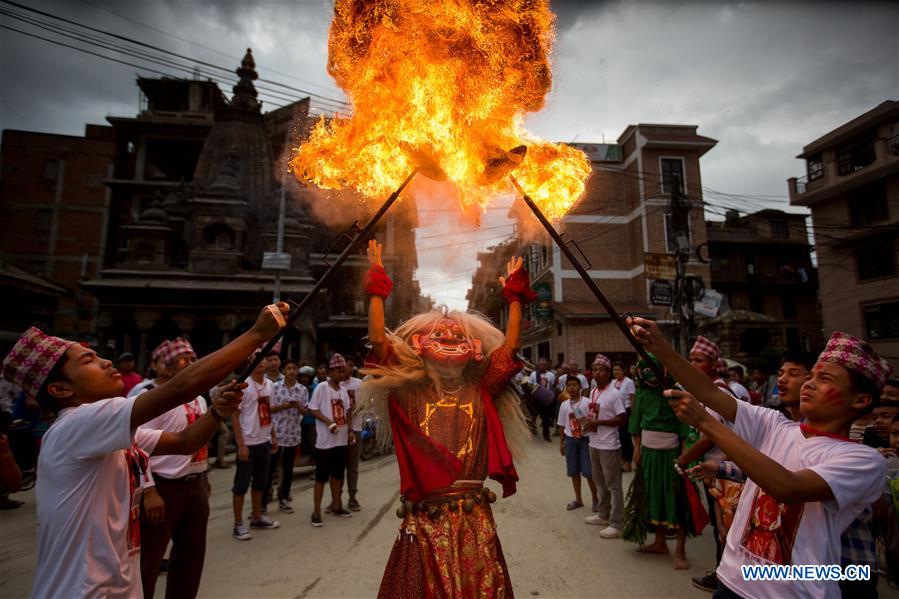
(377, 282)
(518, 288)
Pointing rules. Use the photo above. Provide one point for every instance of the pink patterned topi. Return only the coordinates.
(337, 361)
(32, 358)
(170, 350)
(856, 354)
(601, 360)
(706, 347)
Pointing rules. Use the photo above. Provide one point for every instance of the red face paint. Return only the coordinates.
(833, 397)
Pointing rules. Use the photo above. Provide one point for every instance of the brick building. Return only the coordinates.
(761, 264)
(623, 215)
(851, 187)
(53, 210)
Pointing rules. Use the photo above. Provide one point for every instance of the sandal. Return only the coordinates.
(574, 505)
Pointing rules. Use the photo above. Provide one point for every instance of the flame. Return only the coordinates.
(448, 79)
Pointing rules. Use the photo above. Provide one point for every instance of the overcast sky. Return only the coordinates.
(762, 78)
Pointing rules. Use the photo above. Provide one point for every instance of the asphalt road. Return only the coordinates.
(550, 551)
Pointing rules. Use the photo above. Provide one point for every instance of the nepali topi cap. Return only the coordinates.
(601, 360)
(159, 351)
(855, 354)
(176, 347)
(32, 358)
(337, 361)
(706, 347)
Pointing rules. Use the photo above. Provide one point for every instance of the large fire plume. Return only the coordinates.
(447, 79)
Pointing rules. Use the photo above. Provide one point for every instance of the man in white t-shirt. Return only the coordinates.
(807, 482)
(735, 384)
(544, 405)
(624, 385)
(352, 386)
(330, 405)
(606, 413)
(572, 370)
(180, 483)
(94, 455)
(256, 441)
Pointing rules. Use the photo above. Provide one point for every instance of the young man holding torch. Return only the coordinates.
(807, 482)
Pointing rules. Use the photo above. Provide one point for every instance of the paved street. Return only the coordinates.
(550, 552)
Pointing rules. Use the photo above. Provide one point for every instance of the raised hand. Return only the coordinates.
(226, 399)
(645, 331)
(686, 407)
(514, 264)
(374, 252)
(271, 320)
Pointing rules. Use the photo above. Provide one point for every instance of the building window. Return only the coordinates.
(543, 350)
(868, 205)
(855, 157)
(51, 170)
(780, 229)
(875, 259)
(670, 168)
(814, 167)
(882, 321)
(788, 303)
(670, 238)
(42, 221)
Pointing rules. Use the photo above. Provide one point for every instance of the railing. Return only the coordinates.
(801, 185)
(893, 145)
(856, 157)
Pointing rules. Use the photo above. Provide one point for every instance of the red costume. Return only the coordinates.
(447, 443)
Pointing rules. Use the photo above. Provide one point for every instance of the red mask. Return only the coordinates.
(446, 344)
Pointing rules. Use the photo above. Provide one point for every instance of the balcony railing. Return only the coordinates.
(893, 145)
(856, 157)
(801, 185)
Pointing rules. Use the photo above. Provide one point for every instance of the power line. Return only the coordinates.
(169, 52)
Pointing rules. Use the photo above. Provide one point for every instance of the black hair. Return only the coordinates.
(273, 353)
(289, 361)
(859, 383)
(892, 383)
(618, 364)
(803, 358)
(43, 397)
(738, 369)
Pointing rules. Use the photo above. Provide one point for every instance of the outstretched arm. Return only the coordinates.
(513, 326)
(376, 331)
(648, 334)
(783, 485)
(210, 370)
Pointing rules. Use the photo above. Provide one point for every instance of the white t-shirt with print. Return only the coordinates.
(765, 532)
(352, 386)
(174, 421)
(545, 379)
(88, 502)
(625, 386)
(605, 404)
(255, 412)
(334, 405)
(567, 410)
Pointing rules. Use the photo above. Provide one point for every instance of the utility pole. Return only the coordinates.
(680, 225)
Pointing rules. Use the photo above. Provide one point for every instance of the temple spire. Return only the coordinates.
(244, 92)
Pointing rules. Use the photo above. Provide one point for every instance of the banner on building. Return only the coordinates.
(661, 293)
(543, 305)
(708, 304)
(660, 266)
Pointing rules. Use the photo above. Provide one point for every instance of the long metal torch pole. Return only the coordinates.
(327, 274)
(587, 278)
